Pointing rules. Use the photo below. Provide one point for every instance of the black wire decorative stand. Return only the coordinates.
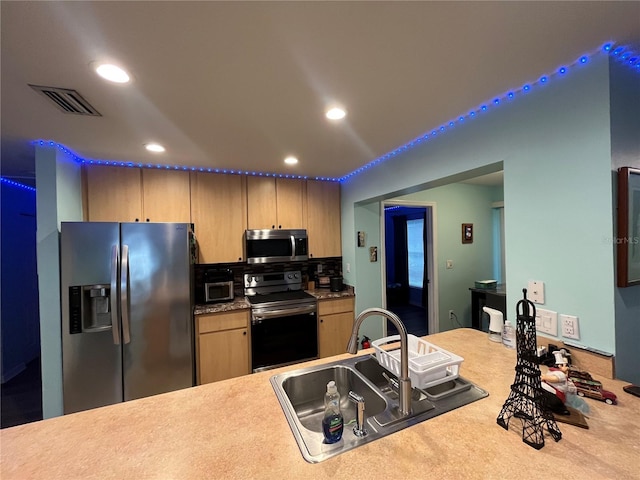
(525, 400)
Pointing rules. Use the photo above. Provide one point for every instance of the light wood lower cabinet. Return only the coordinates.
(335, 322)
(222, 346)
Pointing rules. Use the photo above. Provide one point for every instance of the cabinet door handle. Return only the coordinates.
(244, 333)
(321, 320)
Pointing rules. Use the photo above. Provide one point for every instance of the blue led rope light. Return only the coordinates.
(116, 163)
(630, 58)
(621, 53)
(16, 184)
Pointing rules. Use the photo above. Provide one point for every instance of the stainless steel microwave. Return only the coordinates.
(268, 246)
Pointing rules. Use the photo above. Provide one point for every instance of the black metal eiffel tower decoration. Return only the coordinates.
(526, 399)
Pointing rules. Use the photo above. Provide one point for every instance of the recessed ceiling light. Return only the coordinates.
(291, 160)
(154, 147)
(335, 113)
(112, 73)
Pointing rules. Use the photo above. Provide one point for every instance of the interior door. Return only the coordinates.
(407, 266)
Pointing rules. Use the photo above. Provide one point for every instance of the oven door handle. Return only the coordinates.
(285, 312)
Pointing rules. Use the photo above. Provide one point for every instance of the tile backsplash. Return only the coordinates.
(330, 266)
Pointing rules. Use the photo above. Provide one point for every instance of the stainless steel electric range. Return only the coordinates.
(284, 322)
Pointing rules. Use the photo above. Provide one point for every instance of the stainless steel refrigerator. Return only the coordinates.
(127, 326)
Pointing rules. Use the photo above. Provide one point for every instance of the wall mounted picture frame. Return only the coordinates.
(467, 233)
(628, 229)
(361, 242)
(373, 254)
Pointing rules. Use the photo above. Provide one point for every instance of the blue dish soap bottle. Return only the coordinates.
(332, 423)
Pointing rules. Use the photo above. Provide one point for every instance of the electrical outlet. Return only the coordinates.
(449, 264)
(320, 268)
(348, 268)
(451, 314)
(547, 321)
(570, 326)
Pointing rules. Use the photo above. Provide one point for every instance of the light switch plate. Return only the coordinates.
(570, 327)
(547, 321)
(535, 292)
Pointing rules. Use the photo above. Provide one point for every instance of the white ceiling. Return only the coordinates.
(240, 85)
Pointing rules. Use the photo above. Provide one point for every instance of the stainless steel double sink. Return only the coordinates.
(301, 395)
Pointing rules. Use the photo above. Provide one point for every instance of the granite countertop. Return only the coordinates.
(235, 429)
(325, 293)
(240, 303)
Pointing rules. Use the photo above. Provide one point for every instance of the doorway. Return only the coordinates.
(21, 377)
(409, 262)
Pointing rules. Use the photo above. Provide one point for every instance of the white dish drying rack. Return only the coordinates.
(429, 365)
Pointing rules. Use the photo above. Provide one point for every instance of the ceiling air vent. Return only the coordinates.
(67, 100)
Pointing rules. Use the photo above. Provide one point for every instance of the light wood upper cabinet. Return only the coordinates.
(113, 194)
(275, 203)
(166, 196)
(220, 206)
(219, 214)
(261, 202)
(335, 322)
(290, 202)
(323, 219)
(125, 194)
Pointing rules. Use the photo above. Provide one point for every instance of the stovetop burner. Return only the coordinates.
(280, 298)
(275, 289)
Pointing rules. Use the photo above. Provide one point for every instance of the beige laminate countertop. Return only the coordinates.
(235, 429)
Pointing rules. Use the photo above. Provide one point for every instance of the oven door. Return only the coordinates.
(283, 335)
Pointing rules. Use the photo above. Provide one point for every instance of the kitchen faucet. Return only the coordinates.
(404, 392)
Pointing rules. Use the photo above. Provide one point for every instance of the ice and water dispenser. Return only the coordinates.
(89, 308)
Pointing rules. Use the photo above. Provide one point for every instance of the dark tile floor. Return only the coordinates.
(21, 397)
(414, 319)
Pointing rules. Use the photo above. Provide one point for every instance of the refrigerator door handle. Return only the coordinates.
(115, 324)
(124, 294)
